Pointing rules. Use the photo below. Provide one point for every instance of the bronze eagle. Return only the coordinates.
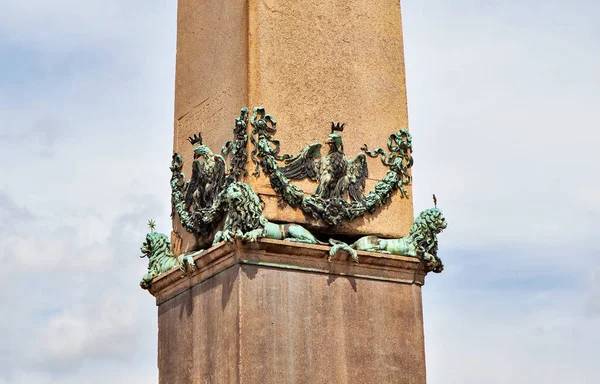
(208, 177)
(334, 173)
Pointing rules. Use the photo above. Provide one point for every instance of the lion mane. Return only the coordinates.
(424, 233)
(244, 209)
(157, 248)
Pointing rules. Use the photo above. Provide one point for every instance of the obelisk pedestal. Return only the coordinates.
(278, 312)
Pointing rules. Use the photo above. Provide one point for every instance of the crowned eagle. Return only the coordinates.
(208, 176)
(334, 173)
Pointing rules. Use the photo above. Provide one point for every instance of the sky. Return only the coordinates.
(503, 108)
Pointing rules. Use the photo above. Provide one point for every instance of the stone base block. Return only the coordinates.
(279, 312)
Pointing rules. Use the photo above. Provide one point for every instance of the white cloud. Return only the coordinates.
(503, 120)
(75, 305)
(108, 328)
(75, 140)
(502, 111)
(592, 303)
(474, 336)
(502, 99)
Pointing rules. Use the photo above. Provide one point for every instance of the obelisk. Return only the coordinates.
(266, 297)
(308, 63)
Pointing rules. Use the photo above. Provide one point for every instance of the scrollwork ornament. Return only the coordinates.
(264, 127)
(339, 193)
(237, 147)
(399, 160)
(340, 181)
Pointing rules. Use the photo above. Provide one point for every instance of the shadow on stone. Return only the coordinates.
(250, 271)
(188, 304)
(351, 280)
(228, 284)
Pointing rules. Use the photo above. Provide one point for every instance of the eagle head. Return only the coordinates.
(335, 143)
(202, 151)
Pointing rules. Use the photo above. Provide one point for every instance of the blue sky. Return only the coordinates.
(503, 108)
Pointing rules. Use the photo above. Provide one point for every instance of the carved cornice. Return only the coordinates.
(215, 203)
(285, 255)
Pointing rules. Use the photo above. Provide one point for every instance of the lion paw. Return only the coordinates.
(341, 246)
(228, 236)
(252, 236)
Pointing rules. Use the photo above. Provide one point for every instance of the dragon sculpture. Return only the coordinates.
(245, 220)
(420, 242)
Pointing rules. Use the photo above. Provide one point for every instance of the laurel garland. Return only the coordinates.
(333, 211)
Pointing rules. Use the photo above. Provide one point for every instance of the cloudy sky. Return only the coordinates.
(504, 111)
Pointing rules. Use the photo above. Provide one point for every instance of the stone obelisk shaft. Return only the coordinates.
(308, 63)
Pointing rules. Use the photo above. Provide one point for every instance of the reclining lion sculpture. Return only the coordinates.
(245, 220)
(420, 242)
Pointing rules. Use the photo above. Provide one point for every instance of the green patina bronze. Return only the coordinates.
(335, 174)
(157, 248)
(264, 127)
(214, 191)
(399, 160)
(338, 196)
(199, 201)
(237, 147)
(151, 225)
(245, 220)
(340, 181)
(421, 241)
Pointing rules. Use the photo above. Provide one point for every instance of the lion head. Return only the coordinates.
(157, 249)
(244, 210)
(424, 233)
(156, 244)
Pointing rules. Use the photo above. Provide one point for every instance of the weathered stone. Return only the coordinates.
(278, 312)
(308, 63)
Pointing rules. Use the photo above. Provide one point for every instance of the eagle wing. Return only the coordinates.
(196, 180)
(218, 181)
(357, 176)
(306, 164)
